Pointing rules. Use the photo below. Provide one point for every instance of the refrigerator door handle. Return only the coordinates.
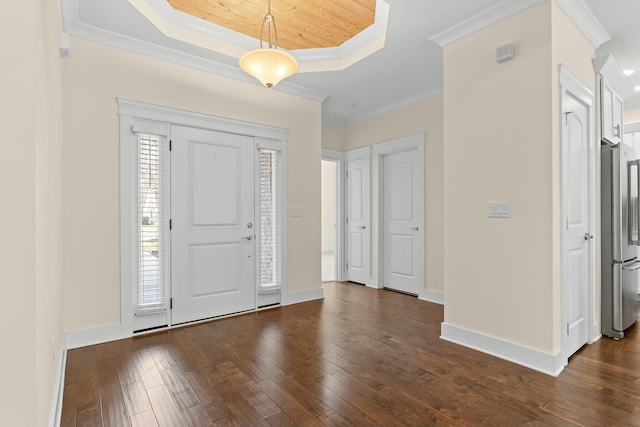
(633, 267)
(633, 201)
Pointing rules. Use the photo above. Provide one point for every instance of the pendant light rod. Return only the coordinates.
(273, 32)
(268, 65)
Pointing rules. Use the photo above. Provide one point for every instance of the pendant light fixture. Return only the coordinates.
(269, 65)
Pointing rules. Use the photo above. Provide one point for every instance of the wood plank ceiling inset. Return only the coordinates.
(301, 24)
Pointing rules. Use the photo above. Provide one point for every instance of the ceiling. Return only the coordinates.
(389, 64)
(301, 24)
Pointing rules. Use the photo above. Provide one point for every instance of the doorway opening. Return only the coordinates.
(329, 220)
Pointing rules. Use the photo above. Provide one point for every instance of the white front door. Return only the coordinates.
(358, 226)
(577, 237)
(403, 212)
(212, 212)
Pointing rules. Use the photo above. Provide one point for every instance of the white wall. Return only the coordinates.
(502, 277)
(30, 184)
(94, 76)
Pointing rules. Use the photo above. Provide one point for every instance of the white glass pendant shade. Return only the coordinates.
(268, 65)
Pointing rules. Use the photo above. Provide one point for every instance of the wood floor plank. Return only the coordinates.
(179, 388)
(166, 412)
(136, 398)
(360, 357)
(144, 419)
(196, 416)
(89, 418)
(114, 408)
(68, 414)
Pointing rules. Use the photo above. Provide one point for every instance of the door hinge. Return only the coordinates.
(170, 145)
(567, 328)
(170, 224)
(347, 174)
(347, 266)
(347, 220)
(170, 303)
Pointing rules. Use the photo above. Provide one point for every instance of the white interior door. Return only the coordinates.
(358, 225)
(403, 219)
(577, 237)
(212, 212)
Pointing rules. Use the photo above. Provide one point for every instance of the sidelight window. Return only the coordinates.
(270, 219)
(150, 287)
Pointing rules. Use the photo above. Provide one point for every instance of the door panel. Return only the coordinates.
(403, 206)
(216, 185)
(400, 245)
(212, 203)
(577, 234)
(358, 227)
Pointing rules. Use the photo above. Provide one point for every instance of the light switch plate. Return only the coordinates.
(499, 210)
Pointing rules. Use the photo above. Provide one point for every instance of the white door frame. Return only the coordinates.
(137, 113)
(412, 142)
(339, 157)
(571, 84)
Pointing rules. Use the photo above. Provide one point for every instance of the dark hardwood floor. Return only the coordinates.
(361, 357)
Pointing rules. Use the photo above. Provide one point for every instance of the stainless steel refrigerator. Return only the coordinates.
(620, 224)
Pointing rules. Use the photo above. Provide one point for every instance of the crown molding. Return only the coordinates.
(84, 31)
(483, 19)
(583, 18)
(396, 105)
(576, 10)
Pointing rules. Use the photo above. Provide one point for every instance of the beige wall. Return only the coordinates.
(94, 76)
(30, 184)
(570, 48)
(332, 137)
(632, 116)
(424, 116)
(502, 144)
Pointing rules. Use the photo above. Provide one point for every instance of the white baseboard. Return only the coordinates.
(302, 296)
(93, 336)
(432, 296)
(550, 364)
(58, 385)
(85, 337)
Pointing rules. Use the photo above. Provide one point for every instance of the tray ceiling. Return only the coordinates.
(301, 24)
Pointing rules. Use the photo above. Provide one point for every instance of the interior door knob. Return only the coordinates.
(588, 236)
(249, 237)
(362, 227)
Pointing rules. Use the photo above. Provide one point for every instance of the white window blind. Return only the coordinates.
(270, 219)
(150, 286)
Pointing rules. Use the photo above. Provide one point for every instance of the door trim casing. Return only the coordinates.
(339, 157)
(407, 143)
(132, 112)
(572, 85)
